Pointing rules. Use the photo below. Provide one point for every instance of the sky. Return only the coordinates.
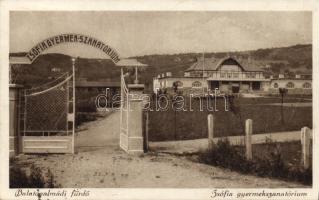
(138, 33)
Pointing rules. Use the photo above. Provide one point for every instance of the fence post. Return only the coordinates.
(14, 119)
(249, 131)
(146, 130)
(305, 147)
(210, 119)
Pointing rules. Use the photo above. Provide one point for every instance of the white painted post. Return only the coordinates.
(210, 119)
(147, 129)
(305, 147)
(249, 132)
(73, 101)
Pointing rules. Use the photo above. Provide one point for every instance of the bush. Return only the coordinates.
(18, 178)
(82, 117)
(36, 179)
(270, 165)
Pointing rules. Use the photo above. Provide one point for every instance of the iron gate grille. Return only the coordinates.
(46, 108)
(47, 117)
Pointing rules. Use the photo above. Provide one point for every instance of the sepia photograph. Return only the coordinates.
(160, 99)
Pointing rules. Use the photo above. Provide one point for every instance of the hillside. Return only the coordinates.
(296, 59)
(293, 59)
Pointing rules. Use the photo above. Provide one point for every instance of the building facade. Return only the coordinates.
(230, 75)
(298, 85)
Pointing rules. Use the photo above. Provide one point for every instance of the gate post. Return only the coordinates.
(14, 136)
(249, 132)
(135, 125)
(305, 147)
(210, 119)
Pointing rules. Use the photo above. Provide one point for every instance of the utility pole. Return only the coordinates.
(282, 92)
(203, 71)
(73, 104)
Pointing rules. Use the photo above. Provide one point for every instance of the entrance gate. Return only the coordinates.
(47, 117)
(124, 120)
(45, 122)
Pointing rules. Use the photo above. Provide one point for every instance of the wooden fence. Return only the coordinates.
(304, 136)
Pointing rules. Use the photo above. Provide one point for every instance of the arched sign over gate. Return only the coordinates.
(72, 38)
(46, 120)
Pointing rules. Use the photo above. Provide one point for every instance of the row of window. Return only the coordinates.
(288, 85)
(292, 85)
(228, 74)
(194, 84)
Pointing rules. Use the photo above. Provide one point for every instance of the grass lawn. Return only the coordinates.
(180, 125)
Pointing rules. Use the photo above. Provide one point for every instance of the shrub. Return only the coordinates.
(36, 179)
(270, 165)
(84, 117)
(50, 179)
(18, 178)
(224, 155)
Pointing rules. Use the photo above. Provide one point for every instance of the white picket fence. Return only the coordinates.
(304, 136)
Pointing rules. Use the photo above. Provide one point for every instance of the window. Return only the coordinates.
(236, 75)
(306, 85)
(275, 85)
(179, 84)
(290, 85)
(222, 75)
(196, 84)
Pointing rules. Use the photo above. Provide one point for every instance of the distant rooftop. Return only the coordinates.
(214, 63)
(19, 60)
(128, 62)
(97, 84)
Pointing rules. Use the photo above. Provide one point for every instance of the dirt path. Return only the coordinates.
(100, 163)
(102, 133)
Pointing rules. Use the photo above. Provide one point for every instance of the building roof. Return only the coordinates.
(292, 78)
(214, 63)
(97, 84)
(22, 60)
(129, 62)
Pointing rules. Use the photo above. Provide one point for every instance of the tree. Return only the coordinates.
(282, 92)
(175, 86)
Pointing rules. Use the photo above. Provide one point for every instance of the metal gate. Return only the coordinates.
(47, 117)
(124, 120)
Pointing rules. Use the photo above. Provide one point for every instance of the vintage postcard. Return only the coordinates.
(170, 100)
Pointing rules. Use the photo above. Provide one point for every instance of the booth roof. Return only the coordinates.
(19, 60)
(129, 62)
